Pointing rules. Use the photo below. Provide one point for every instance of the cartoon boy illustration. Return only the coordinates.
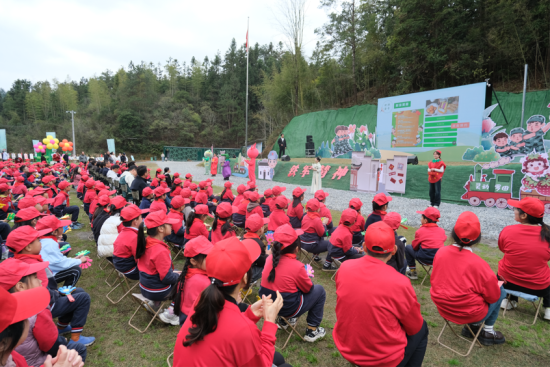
(418, 141)
(393, 142)
(272, 162)
(534, 136)
(517, 145)
(501, 144)
(341, 144)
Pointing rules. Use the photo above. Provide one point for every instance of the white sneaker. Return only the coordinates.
(151, 307)
(169, 318)
(313, 335)
(509, 305)
(547, 313)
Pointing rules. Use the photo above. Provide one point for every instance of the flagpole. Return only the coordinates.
(247, 52)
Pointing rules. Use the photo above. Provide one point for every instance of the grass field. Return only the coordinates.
(118, 344)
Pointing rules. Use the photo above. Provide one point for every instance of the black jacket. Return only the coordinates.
(138, 184)
(281, 143)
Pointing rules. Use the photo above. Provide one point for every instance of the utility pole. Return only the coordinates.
(246, 118)
(74, 143)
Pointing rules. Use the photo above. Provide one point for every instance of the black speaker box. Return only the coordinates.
(309, 138)
(310, 145)
(285, 158)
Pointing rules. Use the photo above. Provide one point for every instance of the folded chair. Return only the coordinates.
(292, 330)
(529, 298)
(178, 250)
(142, 302)
(427, 268)
(472, 343)
(123, 280)
(309, 258)
(338, 263)
(168, 359)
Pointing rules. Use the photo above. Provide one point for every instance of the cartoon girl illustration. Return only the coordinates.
(535, 166)
(341, 141)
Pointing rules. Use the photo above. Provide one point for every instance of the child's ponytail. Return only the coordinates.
(140, 248)
(226, 226)
(189, 221)
(276, 256)
(177, 291)
(545, 229)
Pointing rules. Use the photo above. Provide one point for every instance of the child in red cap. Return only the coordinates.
(324, 212)
(253, 206)
(80, 189)
(278, 216)
(342, 248)
(125, 245)
(216, 327)
(159, 204)
(397, 261)
(191, 282)
(464, 288)
(62, 206)
(254, 227)
(295, 210)
(427, 240)
(265, 202)
(357, 227)
(156, 272)
(147, 199)
(6, 205)
(178, 230)
(314, 230)
(378, 316)
(194, 225)
(285, 274)
(524, 268)
(240, 195)
(239, 214)
(222, 227)
(380, 204)
(227, 195)
(175, 190)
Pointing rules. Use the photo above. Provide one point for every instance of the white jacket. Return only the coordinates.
(107, 236)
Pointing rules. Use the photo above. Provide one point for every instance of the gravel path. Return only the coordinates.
(492, 219)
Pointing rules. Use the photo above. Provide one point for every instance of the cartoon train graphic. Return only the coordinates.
(497, 190)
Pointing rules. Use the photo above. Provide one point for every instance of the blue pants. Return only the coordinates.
(314, 304)
(317, 248)
(74, 313)
(69, 276)
(420, 255)
(72, 210)
(183, 317)
(416, 348)
(159, 297)
(435, 193)
(494, 308)
(4, 230)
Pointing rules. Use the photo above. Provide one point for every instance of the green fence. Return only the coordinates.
(182, 154)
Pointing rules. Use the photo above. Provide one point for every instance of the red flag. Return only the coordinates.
(246, 40)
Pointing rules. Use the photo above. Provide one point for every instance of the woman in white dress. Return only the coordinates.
(316, 178)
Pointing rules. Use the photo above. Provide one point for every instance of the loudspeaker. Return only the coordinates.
(285, 158)
(309, 138)
(310, 145)
(412, 159)
(310, 153)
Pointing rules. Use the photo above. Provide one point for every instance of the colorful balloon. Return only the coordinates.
(45, 140)
(55, 146)
(49, 137)
(49, 146)
(56, 141)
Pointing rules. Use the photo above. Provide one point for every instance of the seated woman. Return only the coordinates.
(215, 332)
(464, 288)
(284, 273)
(524, 267)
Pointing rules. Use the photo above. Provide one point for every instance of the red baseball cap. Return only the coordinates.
(51, 223)
(22, 305)
(202, 184)
(278, 189)
(188, 175)
(393, 219)
(63, 185)
(154, 183)
(431, 213)
(281, 202)
(532, 206)
(158, 218)
(159, 191)
(146, 191)
(20, 178)
(467, 226)
(177, 181)
(203, 209)
(224, 210)
(100, 186)
(230, 260)
(104, 200)
(320, 195)
(268, 193)
(118, 202)
(177, 202)
(161, 177)
(380, 235)
(85, 178)
(42, 200)
(313, 205)
(193, 187)
(241, 189)
(131, 212)
(89, 184)
(196, 246)
(255, 222)
(106, 192)
(251, 185)
(185, 193)
(4, 187)
(27, 202)
(297, 192)
(356, 204)
(228, 185)
(28, 214)
(253, 196)
(12, 270)
(159, 170)
(381, 199)
(349, 216)
(186, 183)
(176, 174)
(286, 235)
(21, 237)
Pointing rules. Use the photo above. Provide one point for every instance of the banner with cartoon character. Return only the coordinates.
(349, 139)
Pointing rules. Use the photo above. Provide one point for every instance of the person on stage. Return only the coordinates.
(436, 168)
(316, 177)
(282, 145)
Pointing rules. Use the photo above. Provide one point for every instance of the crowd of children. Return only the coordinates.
(252, 239)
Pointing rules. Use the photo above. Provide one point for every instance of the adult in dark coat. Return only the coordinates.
(282, 145)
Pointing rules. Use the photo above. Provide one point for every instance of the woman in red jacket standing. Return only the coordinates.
(216, 333)
(436, 168)
(524, 267)
(464, 288)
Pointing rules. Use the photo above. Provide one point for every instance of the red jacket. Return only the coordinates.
(429, 236)
(242, 207)
(90, 195)
(297, 212)
(126, 243)
(178, 216)
(359, 225)
(324, 212)
(526, 257)
(235, 342)
(197, 229)
(463, 285)
(19, 360)
(157, 206)
(45, 332)
(80, 187)
(228, 195)
(192, 290)
(277, 218)
(176, 192)
(155, 267)
(202, 197)
(376, 309)
(238, 200)
(433, 177)
(342, 237)
(61, 199)
(311, 223)
(19, 189)
(257, 210)
(217, 234)
(290, 275)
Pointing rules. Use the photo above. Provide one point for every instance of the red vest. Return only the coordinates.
(433, 177)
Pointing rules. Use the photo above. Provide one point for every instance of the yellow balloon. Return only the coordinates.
(49, 137)
(55, 146)
(56, 141)
(45, 140)
(49, 146)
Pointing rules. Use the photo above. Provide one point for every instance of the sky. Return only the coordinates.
(43, 40)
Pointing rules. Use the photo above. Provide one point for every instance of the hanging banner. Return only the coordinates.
(111, 146)
(3, 142)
